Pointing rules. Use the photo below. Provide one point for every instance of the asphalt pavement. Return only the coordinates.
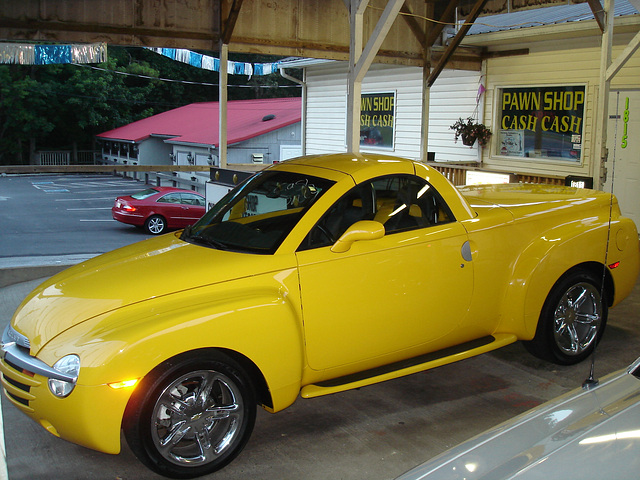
(52, 221)
(376, 432)
(59, 215)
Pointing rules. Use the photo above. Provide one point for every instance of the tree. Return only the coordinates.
(62, 106)
(98, 100)
(65, 106)
(22, 113)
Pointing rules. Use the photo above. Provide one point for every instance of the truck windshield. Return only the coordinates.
(258, 215)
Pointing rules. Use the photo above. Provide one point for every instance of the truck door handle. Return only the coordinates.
(465, 251)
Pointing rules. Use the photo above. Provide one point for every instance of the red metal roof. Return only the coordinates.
(198, 122)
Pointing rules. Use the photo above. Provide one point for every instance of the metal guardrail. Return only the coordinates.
(22, 169)
(64, 157)
(455, 173)
(159, 175)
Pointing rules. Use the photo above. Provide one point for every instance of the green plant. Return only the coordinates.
(470, 131)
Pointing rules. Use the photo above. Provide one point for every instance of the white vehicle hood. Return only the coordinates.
(585, 434)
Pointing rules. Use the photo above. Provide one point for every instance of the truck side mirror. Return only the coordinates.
(362, 230)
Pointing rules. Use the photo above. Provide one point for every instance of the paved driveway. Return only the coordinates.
(62, 214)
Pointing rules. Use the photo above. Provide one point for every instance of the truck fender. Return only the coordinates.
(541, 264)
(211, 319)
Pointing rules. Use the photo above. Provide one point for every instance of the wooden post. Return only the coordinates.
(222, 115)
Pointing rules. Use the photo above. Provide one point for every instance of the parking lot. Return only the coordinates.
(62, 214)
(376, 432)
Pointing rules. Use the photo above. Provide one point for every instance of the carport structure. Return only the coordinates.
(403, 32)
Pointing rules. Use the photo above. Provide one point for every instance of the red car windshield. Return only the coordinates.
(144, 194)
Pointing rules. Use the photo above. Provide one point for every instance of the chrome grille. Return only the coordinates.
(16, 381)
(20, 339)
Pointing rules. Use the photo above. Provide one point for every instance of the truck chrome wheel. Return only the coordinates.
(197, 418)
(572, 320)
(191, 415)
(577, 319)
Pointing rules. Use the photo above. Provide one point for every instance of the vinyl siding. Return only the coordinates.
(327, 102)
(556, 63)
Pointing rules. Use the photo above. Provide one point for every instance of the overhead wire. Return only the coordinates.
(186, 82)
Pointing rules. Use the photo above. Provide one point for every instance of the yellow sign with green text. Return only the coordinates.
(546, 121)
(377, 119)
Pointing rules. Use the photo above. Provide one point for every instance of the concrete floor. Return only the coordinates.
(377, 432)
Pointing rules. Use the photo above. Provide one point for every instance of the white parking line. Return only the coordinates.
(81, 199)
(109, 220)
(103, 190)
(87, 208)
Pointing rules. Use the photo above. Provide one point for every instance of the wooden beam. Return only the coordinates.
(95, 32)
(230, 22)
(222, 105)
(378, 35)
(624, 56)
(448, 16)
(455, 41)
(598, 12)
(414, 26)
(356, 22)
(506, 53)
(361, 59)
(426, 91)
(601, 118)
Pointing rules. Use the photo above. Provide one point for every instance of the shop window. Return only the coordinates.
(377, 120)
(544, 123)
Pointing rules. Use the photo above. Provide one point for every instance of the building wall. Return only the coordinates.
(268, 145)
(452, 96)
(566, 62)
(151, 151)
(240, 153)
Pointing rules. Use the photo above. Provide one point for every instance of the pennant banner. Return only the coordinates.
(210, 63)
(32, 54)
(35, 54)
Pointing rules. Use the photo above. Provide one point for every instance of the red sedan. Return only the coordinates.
(158, 209)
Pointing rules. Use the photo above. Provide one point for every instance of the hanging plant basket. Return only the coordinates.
(468, 140)
(469, 131)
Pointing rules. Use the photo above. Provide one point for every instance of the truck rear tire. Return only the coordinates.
(572, 320)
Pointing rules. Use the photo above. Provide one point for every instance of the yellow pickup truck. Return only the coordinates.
(316, 275)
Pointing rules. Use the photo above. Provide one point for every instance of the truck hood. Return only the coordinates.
(137, 273)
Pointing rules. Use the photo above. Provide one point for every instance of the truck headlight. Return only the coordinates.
(69, 365)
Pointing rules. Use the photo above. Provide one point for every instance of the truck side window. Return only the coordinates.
(404, 203)
(399, 202)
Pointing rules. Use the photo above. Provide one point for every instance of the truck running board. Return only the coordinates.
(407, 367)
